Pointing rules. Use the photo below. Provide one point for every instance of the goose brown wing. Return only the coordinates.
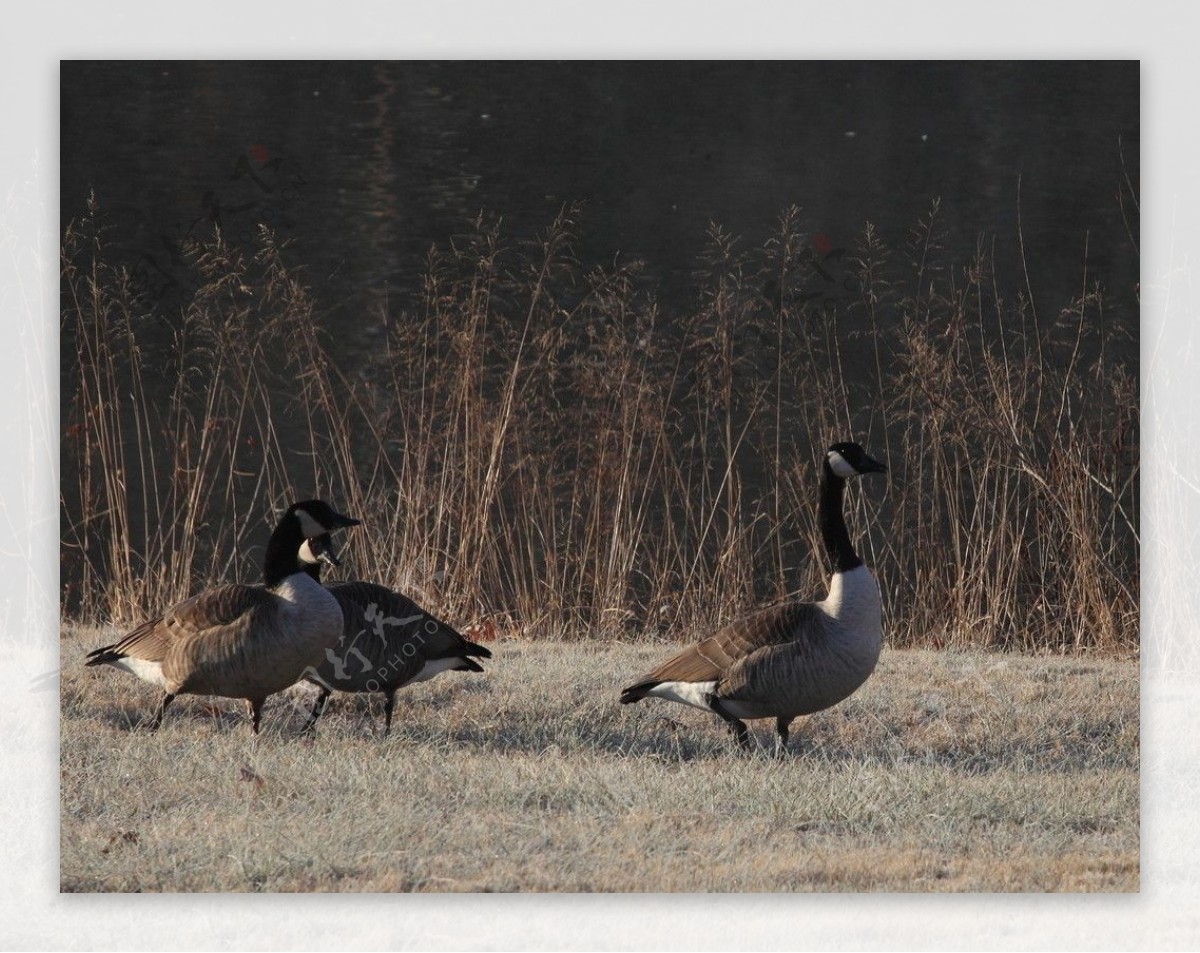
(152, 640)
(230, 641)
(149, 641)
(709, 660)
(223, 605)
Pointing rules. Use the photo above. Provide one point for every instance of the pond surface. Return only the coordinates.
(365, 165)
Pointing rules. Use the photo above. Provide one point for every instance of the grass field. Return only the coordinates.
(948, 771)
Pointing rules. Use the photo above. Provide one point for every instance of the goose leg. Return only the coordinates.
(317, 711)
(162, 707)
(781, 725)
(254, 707)
(387, 710)
(736, 725)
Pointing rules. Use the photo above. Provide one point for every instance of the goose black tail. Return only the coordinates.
(635, 693)
(474, 650)
(103, 656)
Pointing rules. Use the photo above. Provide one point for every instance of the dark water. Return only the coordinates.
(365, 165)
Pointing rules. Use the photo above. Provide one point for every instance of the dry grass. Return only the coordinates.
(537, 439)
(948, 771)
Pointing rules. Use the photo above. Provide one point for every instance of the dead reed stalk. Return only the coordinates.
(540, 442)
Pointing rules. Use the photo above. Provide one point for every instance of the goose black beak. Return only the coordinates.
(874, 466)
(321, 549)
(328, 556)
(343, 522)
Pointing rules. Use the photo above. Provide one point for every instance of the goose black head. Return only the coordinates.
(318, 518)
(301, 541)
(849, 460)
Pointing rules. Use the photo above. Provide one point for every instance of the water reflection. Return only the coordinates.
(363, 166)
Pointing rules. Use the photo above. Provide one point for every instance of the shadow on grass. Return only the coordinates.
(219, 715)
(661, 738)
(600, 729)
(424, 722)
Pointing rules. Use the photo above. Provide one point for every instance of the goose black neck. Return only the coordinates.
(832, 521)
(283, 552)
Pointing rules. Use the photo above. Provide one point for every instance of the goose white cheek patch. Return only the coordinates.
(839, 465)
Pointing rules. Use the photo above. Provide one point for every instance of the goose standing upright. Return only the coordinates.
(242, 641)
(792, 659)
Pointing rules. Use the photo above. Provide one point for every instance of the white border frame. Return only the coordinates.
(1160, 34)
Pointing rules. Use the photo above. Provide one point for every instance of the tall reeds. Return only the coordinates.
(543, 442)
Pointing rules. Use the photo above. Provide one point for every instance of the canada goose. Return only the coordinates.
(387, 642)
(792, 659)
(243, 641)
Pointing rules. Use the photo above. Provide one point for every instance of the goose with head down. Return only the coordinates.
(387, 642)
